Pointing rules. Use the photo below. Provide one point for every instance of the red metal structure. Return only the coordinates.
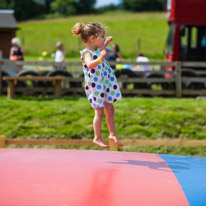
(186, 39)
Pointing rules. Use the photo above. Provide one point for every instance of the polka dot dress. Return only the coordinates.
(101, 85)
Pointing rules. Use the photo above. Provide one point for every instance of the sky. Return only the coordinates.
(100, 3)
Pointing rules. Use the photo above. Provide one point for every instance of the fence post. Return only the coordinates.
(178, 79)
(113, 146)
(2, 141)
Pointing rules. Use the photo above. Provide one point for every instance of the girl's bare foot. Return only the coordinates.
(115, 140)
(100, 143)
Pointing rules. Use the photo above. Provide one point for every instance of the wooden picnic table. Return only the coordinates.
(12, 81)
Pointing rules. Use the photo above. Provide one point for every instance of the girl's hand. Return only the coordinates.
(108, 40)
(103, 54)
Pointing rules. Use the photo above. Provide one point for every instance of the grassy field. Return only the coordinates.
(136, 118)
(126, 29)
(71, 117)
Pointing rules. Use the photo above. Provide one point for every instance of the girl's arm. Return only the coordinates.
(106, 43)
(87, 58)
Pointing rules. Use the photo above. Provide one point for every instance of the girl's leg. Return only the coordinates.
(109, 108)
(97, 123)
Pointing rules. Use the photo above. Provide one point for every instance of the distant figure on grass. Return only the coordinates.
(110, 57)
(142, 58)
(101, 86)
(60, 55)
(116, 51)
(16, 51)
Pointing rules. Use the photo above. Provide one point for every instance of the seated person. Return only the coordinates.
(110, 56)
(116, 51)
(16, 51)
(142, 58)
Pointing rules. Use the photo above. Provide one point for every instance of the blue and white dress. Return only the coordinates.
(101, 85)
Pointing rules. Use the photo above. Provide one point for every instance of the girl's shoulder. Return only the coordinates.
(92, 52)
(83, 52)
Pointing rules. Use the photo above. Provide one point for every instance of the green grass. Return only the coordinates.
(136, 118)
(126, 29)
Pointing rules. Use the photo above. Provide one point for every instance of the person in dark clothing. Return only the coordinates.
(110, 57)
(16, 51)
(117, 52)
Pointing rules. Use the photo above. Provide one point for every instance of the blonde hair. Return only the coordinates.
(16, 40)
(86, 30)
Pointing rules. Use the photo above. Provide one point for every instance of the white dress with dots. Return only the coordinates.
(101, 85)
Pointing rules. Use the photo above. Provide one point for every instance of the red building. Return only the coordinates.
(8, 27)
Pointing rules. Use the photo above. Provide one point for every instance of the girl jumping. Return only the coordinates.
(101, 86)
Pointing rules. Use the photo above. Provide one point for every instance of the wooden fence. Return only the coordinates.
(113, 147)
(174, 83)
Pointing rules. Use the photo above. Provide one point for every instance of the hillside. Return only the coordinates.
(126, 29)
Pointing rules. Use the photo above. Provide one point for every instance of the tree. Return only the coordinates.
(27, 9)
(5, 4)
(63, 6)
(144, 5)
(84, 6)
(73, 6)
(23, 9)
(47, 4)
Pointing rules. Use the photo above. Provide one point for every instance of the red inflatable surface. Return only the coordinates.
(37, 177)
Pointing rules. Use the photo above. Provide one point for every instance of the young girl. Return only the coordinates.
(101, 86)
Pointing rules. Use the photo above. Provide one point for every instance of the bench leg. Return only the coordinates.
(10, 89)
(58, 89)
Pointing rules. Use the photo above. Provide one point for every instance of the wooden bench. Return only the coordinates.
(12, 81)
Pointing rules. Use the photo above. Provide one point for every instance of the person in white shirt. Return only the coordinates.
(60, 53)
(59, 56)
(142, 58)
